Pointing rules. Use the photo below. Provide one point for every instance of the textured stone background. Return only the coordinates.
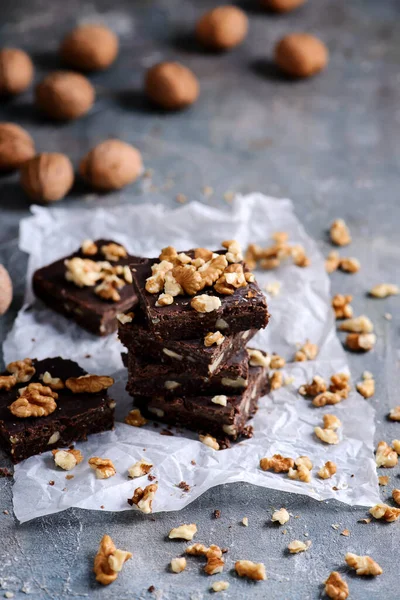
(332, 145)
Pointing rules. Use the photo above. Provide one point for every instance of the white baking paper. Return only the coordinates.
(285, 421)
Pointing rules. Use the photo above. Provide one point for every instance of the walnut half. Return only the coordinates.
(335, 587)
(36, 400)
(109, 561)
(91, 384)
(103, 467)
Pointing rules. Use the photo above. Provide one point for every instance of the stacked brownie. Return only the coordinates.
(187, 360)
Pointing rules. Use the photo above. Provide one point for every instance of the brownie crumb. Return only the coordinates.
(88, 356)
(248, 432)
(4, 472)
(102, 506)
(217, 513)
(51, 482)
(166, 432)
(130, 501)
(193, 462)
(151, 589)
(184, 486)
(69, 477)
(151, 477)
(224, 550)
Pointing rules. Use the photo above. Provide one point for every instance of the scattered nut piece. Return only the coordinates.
(325, 398)
(396, 496)
(197, 550)
(215, 337)
(143, 499)
(257, 358)
(281, 516)
(360, 342)
(385, 512)
(219, 586)
(339, 233)
(125, 318)
(178, 564)
(278, 463)
(385, 456)
(303, 461)
(349, 265)
(277, 362)
(341, 306)
(328, 470)
(67, 459)
(215, 562)
(205, 303)
(113, 252)
(360, 324)
(36, 400)
(340, 384)
(300, 474)
(396, 446)
(383, 290)
(326, 435)
(91, 384)
(332, 262)
(394, 414)
(82, 271)
(366, 387)
(275, 380)
(135, 418)
(317, 386)
(23, 370)
(273, 288)
(164, 300)
(209, 441)
(183, 532)
(308, 351)
(331, 422)
(108, 561)
(335, 587)
(55, 383)
(140, 468)
(298, 546)
(363, 565)
(103, 467)
(383, 479)
(245, 521)
(247, 568)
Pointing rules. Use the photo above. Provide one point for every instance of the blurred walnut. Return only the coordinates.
(171, 85)
(111, 165)
(64, 95)
(47, 177)
(281, 6)
(222, 28)
(6, 290)
(16, 71)
(301, 55)
(89, 47)
(16, 146)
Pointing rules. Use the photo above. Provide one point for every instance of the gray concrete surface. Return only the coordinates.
(332, 145)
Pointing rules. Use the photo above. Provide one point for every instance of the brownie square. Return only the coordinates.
(82, 304)
(245, 309)
(180, 355)
(76, 416)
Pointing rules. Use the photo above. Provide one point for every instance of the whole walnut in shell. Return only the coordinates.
(6, 290)
(16, 71)
(89, 47)
(16, 146)
(281, 6)
(301, 55)
(64, 95)
(47, 177)
(171, 85)
(222, 28)
(111, 165)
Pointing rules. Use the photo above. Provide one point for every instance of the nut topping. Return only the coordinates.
(164, 300)
(205, 303)
(183, 532)
(143, 499)
(215, 337)
(67, 459)
(234, 251)
(188, 278)
(231, 279)
(91, 384)
(125, 318)
(335, 587)
(82, 271)
(209, 441)
(7, 382)
(213, 269)
(55, 383)
(247, 568)
(113, 252)
(89, 248)
(135, 418)
(23, 370)
(36, 400)
(363, 565)
(108, 561)
(103, 467)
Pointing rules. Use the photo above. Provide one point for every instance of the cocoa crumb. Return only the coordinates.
(151, 589)
(184, 486)
(224, 550)
(51, 482)
(193, 462)
(217, 513)
(102, 506)
(151, 477)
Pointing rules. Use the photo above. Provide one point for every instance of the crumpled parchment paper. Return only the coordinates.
(285, 421)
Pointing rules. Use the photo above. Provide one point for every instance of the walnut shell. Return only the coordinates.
(301, 55)
(64, 95)
(171, 85)
(16, 71)
(16, 146)
(111, 165)
(6, 290)
(47, 177)
(222, 28)
(281, 6)
(89, 47)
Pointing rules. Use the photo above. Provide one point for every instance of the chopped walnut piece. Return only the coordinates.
(108, 561)
(277, 362)
(360, 324)
(183, 532)
(67, 459)
(211, 270)
(220, 399)
(55, 383)
(125, 318)
(332, 262)
(317, 386)
(366, 387)
(247, 568)
(335, 587)
(184, 258)
(394, 414)
(168, 254)
(36, 400)
(340, 384)
(396, 446)
(143, 499)
(140, 468)
(385, 512)
(215, 337)
(269, 263)
(197, 550)
(328, 436)
(83, 272)
(245, 521)
(171, 286)
(7, 382)
(341, 306)
(215, 562)
(385, 456)
(339, 233)
(108, 288)
(303, 461)
(325, 398)
(349, 265)
(219, 586)
(135, 418)
(205, 303)
(308, 351)
(383, 290)
(363, 565)
(91, 384)
(298, 546)
(257, 358)
(328, 470)
(188, 278)
(300, 474)
(204, 254)
(331, 421)
(209, 441)
(383, 479)
(232, 279)
(281, 516)
(103, 467)
(23, 370)
(278, 463)
(234, 251)
(89, 248)
(275, 380)
(273, 288)
(396, 496)
(155, 283)
(164, 300)
(299, 256)
(178, 564)
(280, 237)
(113, 252)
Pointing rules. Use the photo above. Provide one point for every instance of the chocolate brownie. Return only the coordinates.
(181, 355)
(76, 416)
(151, 378)
(242, 310)
(83, 305)
(203, 413)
